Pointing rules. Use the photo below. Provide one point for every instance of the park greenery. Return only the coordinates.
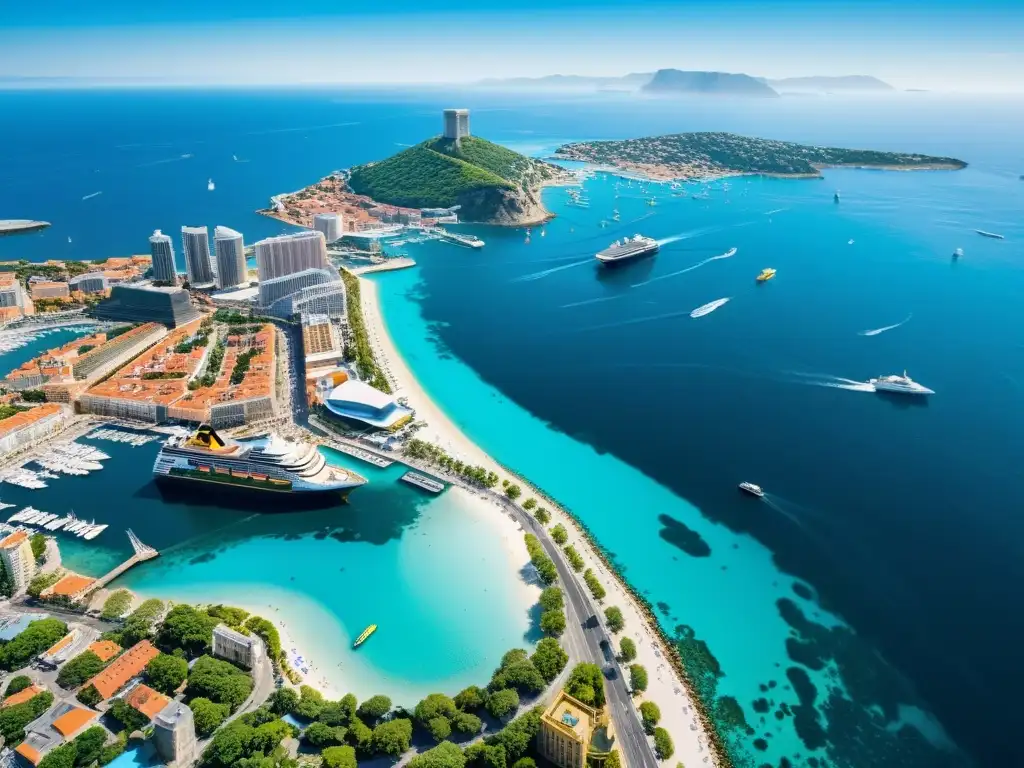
(517, 671)
(127, 715)
(253, 740)
(575, 558)
(663, 746)
(374, 708)
(613, 617)
(33, 395)
(38, 543)
(188, 628)
(424, 451)
(638, 678)
(627, 649)
(84, 750)
(115, 605)
(595, 587)
(7, 410)
(207, 715)
(13, 719)
(717, 153)
(85, 348)
(359, 350)
(545, 565)
(586, 683)
(242, 363)
(17, 684)
(529, 504)
(559, 534)
(213, 364)
(219, 681)
(542, 515)
(552, 617)
(512, 490)
(33, 640)
(549, 658)
(138, 625)
(166, 672)
(79, 669)
(650, 714)
(162, 375)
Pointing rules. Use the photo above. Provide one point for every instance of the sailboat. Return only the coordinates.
(210, 185)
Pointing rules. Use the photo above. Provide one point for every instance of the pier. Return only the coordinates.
(423, 482)
(387, 265)
(143, 552)
(359, 453)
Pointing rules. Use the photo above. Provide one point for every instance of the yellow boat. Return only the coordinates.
(766, 274)
(365, 635)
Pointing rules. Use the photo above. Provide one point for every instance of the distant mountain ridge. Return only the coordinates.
(677, 81)
(844, 83)
(632, 81)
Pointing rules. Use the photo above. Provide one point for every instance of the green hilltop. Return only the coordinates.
(483, 177)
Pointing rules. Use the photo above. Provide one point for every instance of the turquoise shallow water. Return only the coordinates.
(899, 522)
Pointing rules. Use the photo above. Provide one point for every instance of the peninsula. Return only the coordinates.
(702, 156)
(675, 82)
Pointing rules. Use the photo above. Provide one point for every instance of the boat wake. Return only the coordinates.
(884, 328)
(775, 210)
(686, 235)
(92, 195)
(710, 307)
(546, 272)
(634, 321)
(728, 254)
(833, 382)
(585, 302)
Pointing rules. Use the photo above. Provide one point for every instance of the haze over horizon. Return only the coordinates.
(941, 46)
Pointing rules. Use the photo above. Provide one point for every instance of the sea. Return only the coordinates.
(864, 613)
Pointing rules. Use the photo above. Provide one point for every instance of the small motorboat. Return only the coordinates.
(958, 253)
(766, 275)
(753, 490)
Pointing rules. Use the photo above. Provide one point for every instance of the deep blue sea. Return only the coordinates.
(867, 612)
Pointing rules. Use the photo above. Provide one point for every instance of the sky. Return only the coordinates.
(938, 44)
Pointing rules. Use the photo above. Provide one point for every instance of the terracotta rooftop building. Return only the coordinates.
(21, 696)
(105, 649)
(128, 665)
(145, 700)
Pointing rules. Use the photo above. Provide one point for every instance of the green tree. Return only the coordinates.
(525, 762)
(637, 678)
(529, 504)
(375, 707)
(394, 736)
(283, 701)
(515, 738)
(18, 684)
(467, 723)
(434, 705)
(13, 719)
(627, 649)
(549, 658)
(165, 673)
(470, 699)
(503, 703)
(60, 757)
(321, 735)
(268, 735)
(444, 755)
(112, 751)
(614, 618)
(542, 515)
(88, 745)
(207, 715)
(544, 565)
(233, 617)
(311, 701)
(494, 756)
(663, 746)
(229, 745)
(586, 683)
(33, 640)
(89, 696)
(439, 728)
(575, 558)
(552, 623)
(333, 713)
(339, 757)
(38, 542)
(219, 681)
(115, 605)
(519, 673)
(359, 735)
(129, 717)
(650, 714)
(267, 632)
(513, 491)
(551, 599)
(593, 584)
(613, 760)
(81, 668)
(42, 581)
(187, 628)
(559, 534)
(348, 706)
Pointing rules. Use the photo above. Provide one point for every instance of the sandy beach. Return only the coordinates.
(666, 688)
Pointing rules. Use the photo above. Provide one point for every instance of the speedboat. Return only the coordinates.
(766, 274)
(901, 384)
(958, 253)
(753, 490)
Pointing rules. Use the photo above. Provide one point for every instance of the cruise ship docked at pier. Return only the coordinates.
(268, 464)
(628, 249)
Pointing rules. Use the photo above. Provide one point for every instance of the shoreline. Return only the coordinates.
(691, 726)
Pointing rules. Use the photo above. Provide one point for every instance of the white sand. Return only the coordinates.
(665, 687)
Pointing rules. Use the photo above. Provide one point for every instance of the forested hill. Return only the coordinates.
(440, 173)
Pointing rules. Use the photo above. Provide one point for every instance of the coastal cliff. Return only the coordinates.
(711, 155)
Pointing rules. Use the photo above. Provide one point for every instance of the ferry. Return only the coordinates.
(266, 464)
(766, 275)
(364, 635)
(627, 250)
(903, 385)
(468, 240)
(753, 490)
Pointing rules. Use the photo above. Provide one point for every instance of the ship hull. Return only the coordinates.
(217, 492)
(616, 261)
(19, 228)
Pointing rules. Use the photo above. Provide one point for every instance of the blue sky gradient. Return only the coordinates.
(938, 45)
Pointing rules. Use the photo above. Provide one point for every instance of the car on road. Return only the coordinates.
(606, 649)
(609, 672)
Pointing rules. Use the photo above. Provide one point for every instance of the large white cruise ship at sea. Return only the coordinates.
(267, 464)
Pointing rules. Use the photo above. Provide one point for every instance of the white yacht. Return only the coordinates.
(95, 531)
(901, 384)
(753, 490)
(958, 253)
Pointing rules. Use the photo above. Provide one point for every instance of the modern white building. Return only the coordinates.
(312, 290)
(244, 650)
(355, 401)
(330, 224)
(90, 282)
(195, 241)
(456, 123)
(19, 564)
(288, 254)
(174, 735)
(230, 250)
(162, 251)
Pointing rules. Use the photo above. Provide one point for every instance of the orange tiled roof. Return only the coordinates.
(21, 696)
(24, 419)
(60, 645)
(29, 753)
(72, 721)
(14, 539)
(147, 701)
(105, 649)
(128, 665)
(70, 585)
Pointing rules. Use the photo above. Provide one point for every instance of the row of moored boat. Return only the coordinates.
(69, 523)
(120, 436)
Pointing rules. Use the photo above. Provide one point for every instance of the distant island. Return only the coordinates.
(675, 81)
(712, 155)
(489, 183)
(846, 83)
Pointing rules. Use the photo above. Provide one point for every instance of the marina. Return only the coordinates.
(467, 240)
(120, 436)
(359, 453)
(30, 516)
(422, 481)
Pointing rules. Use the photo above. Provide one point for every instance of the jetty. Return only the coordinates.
(387, 265)
(423, 482)
(142, 553)
(359, 453)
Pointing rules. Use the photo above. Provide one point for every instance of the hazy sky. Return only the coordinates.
(937, 44)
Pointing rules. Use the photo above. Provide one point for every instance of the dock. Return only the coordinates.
(423, 482)
(143, 552)
(385, 266)
(359, 453)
